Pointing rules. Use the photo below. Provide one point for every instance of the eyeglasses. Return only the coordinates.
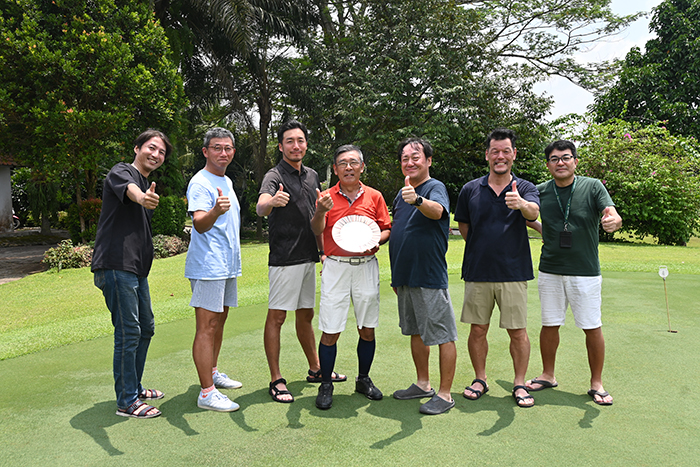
(218, 148)
(565, 159)
(353, 163)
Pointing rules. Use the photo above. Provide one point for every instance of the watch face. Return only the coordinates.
(419, 201)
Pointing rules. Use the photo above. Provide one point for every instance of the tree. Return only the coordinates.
(652, 176)
(80, 80)
(378, 71)
(662, 83)
(225, 50)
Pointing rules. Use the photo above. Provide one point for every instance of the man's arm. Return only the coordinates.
(267, 202)
(514, 201)
(463, 229)
(611, 220)
(536, 225)
(323, 205)
(203, 221)
(430, 209)
(148, 199)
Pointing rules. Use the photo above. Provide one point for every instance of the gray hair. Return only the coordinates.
(348, 148)
(218, 132)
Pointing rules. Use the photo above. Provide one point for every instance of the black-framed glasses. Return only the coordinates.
(565, 159)
(219, 148)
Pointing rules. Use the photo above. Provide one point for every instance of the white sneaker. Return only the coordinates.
(214, 400)
(223, 381)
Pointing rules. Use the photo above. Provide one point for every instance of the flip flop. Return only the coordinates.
(602, 395)
(476, 391)
(544, 384)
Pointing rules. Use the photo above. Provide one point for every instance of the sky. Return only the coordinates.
(569, 98)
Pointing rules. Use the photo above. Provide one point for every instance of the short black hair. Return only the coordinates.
(560, 145)
(146, 136)
(290, 125)
(413, 140)
(499, 134)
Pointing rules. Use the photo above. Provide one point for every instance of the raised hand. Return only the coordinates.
(223, 203)
(323, 203)
(408, 193)
(513, 199)
(150, 198)
(611, 221)
(280, 199)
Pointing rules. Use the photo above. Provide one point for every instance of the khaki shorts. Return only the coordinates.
(480, 297)
(292, 287)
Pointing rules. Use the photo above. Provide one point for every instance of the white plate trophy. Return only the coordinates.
(356, 234)
(663, 272)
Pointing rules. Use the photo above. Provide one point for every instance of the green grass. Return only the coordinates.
(57, 405)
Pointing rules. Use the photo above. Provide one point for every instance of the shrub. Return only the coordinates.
(169, 217)
(652, 176)
(66, 256)
(90, 209)
(166, 246)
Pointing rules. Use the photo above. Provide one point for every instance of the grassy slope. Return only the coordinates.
(69, 418)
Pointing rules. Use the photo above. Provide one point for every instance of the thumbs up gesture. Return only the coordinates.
(408, 193)
(513, 199)
(280, 199)
(323, 203)
(611, 220)
(150, 197)
(223, 203)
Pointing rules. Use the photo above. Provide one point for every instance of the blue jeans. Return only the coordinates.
(129, 300)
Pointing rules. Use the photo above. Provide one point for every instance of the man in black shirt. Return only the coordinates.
(121, 262)
(288, 198)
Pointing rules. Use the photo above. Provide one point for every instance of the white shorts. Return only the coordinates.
(214, 295)
(581, 292)
(342, 283)
(292, 287)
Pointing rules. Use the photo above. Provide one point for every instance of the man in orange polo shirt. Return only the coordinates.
(349, 275)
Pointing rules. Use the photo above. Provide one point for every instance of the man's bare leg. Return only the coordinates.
(273, 326)
(520, 352)
(448, 363)
(595, 345)
(421, 359)
(549, 343)
(478, 350)
(306, 337)
(203, 345)
(219, 335)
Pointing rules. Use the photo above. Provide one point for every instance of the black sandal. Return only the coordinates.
(275, 392)
(315, 377)
(519, 399)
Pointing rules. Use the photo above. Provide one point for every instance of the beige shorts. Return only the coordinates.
(480, 297)
(292, 287)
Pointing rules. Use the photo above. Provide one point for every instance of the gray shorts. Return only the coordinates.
(292, 287)
(214, 295)
(427, 312)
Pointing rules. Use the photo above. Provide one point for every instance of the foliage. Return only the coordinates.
(68, 256)
(89, 210)
(165, 246)
(80, 78)
(663, 82)
(379, 71)
(652, 176)
(169, 217)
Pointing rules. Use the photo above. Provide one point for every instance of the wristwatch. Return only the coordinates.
(419, 201)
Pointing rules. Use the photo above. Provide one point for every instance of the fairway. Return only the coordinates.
(57, 406)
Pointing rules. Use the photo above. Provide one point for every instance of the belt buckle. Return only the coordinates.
(355, 261)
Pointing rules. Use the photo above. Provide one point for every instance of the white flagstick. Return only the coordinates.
(663, 272)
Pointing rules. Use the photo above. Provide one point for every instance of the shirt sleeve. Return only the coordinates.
(199, 198)
(271, 183)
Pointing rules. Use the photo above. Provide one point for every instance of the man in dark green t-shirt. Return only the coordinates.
(571, 207)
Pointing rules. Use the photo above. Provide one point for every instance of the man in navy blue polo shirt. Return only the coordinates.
(491, 212)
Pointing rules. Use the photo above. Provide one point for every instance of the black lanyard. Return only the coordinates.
(568, 203)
